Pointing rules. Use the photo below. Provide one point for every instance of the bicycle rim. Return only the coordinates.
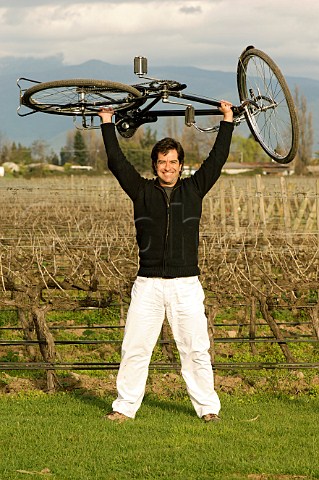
(271, 115)
(80, 97)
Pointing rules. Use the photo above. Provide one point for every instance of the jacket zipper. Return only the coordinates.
(167, 230)
(167, 201)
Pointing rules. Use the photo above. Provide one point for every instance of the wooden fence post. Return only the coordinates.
(260, 195)
(252, 324)
(250, 206)
(285, 201)
(235, 208)
(314, 313)
(222, 206)
(211, 314)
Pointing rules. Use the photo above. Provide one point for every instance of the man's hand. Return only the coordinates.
(225, 108)
(106, 114)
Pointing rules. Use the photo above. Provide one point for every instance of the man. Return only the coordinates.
(167, 213)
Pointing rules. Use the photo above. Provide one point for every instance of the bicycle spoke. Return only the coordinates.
(80, 97)
(270, 113)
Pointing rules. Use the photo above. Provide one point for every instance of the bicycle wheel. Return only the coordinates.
(80, 97)
(271, 114)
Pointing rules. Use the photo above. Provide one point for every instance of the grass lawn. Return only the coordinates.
(63, 437)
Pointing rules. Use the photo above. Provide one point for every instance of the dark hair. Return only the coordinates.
(164, 146)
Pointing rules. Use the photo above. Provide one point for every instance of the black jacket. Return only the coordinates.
(167, 231)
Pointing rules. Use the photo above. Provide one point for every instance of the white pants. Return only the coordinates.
(182, 301)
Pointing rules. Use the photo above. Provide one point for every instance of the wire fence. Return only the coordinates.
(70, 242)
(228, 333)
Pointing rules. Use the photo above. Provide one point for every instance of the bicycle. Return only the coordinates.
(266, 104)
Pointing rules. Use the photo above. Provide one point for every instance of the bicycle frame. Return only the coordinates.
(130, 121)
(266, 104)
(136, 118)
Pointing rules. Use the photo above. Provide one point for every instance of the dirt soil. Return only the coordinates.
(167, 385)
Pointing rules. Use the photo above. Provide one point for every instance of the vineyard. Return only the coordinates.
(68, 259)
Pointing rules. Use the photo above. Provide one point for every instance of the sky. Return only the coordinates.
(208, 34)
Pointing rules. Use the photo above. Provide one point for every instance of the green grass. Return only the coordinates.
(260, 437)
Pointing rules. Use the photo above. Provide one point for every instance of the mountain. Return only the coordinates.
(52, 128)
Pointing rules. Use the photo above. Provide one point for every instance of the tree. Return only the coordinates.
(304, 153)
(171, 128)
(149, 138)
(191, 145)
(96, 151)
(53, 158)
(66, 152)
(16, 153)
(138, 148)
(38, 151)
(247, 150)
(4, 154)
(80, 153)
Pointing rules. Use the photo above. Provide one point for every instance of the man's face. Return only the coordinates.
(168, 168)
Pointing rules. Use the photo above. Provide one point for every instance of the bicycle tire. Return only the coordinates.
(271, 115)
(80, 97)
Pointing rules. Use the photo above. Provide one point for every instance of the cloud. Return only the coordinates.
(203, 33)
(190, 9)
